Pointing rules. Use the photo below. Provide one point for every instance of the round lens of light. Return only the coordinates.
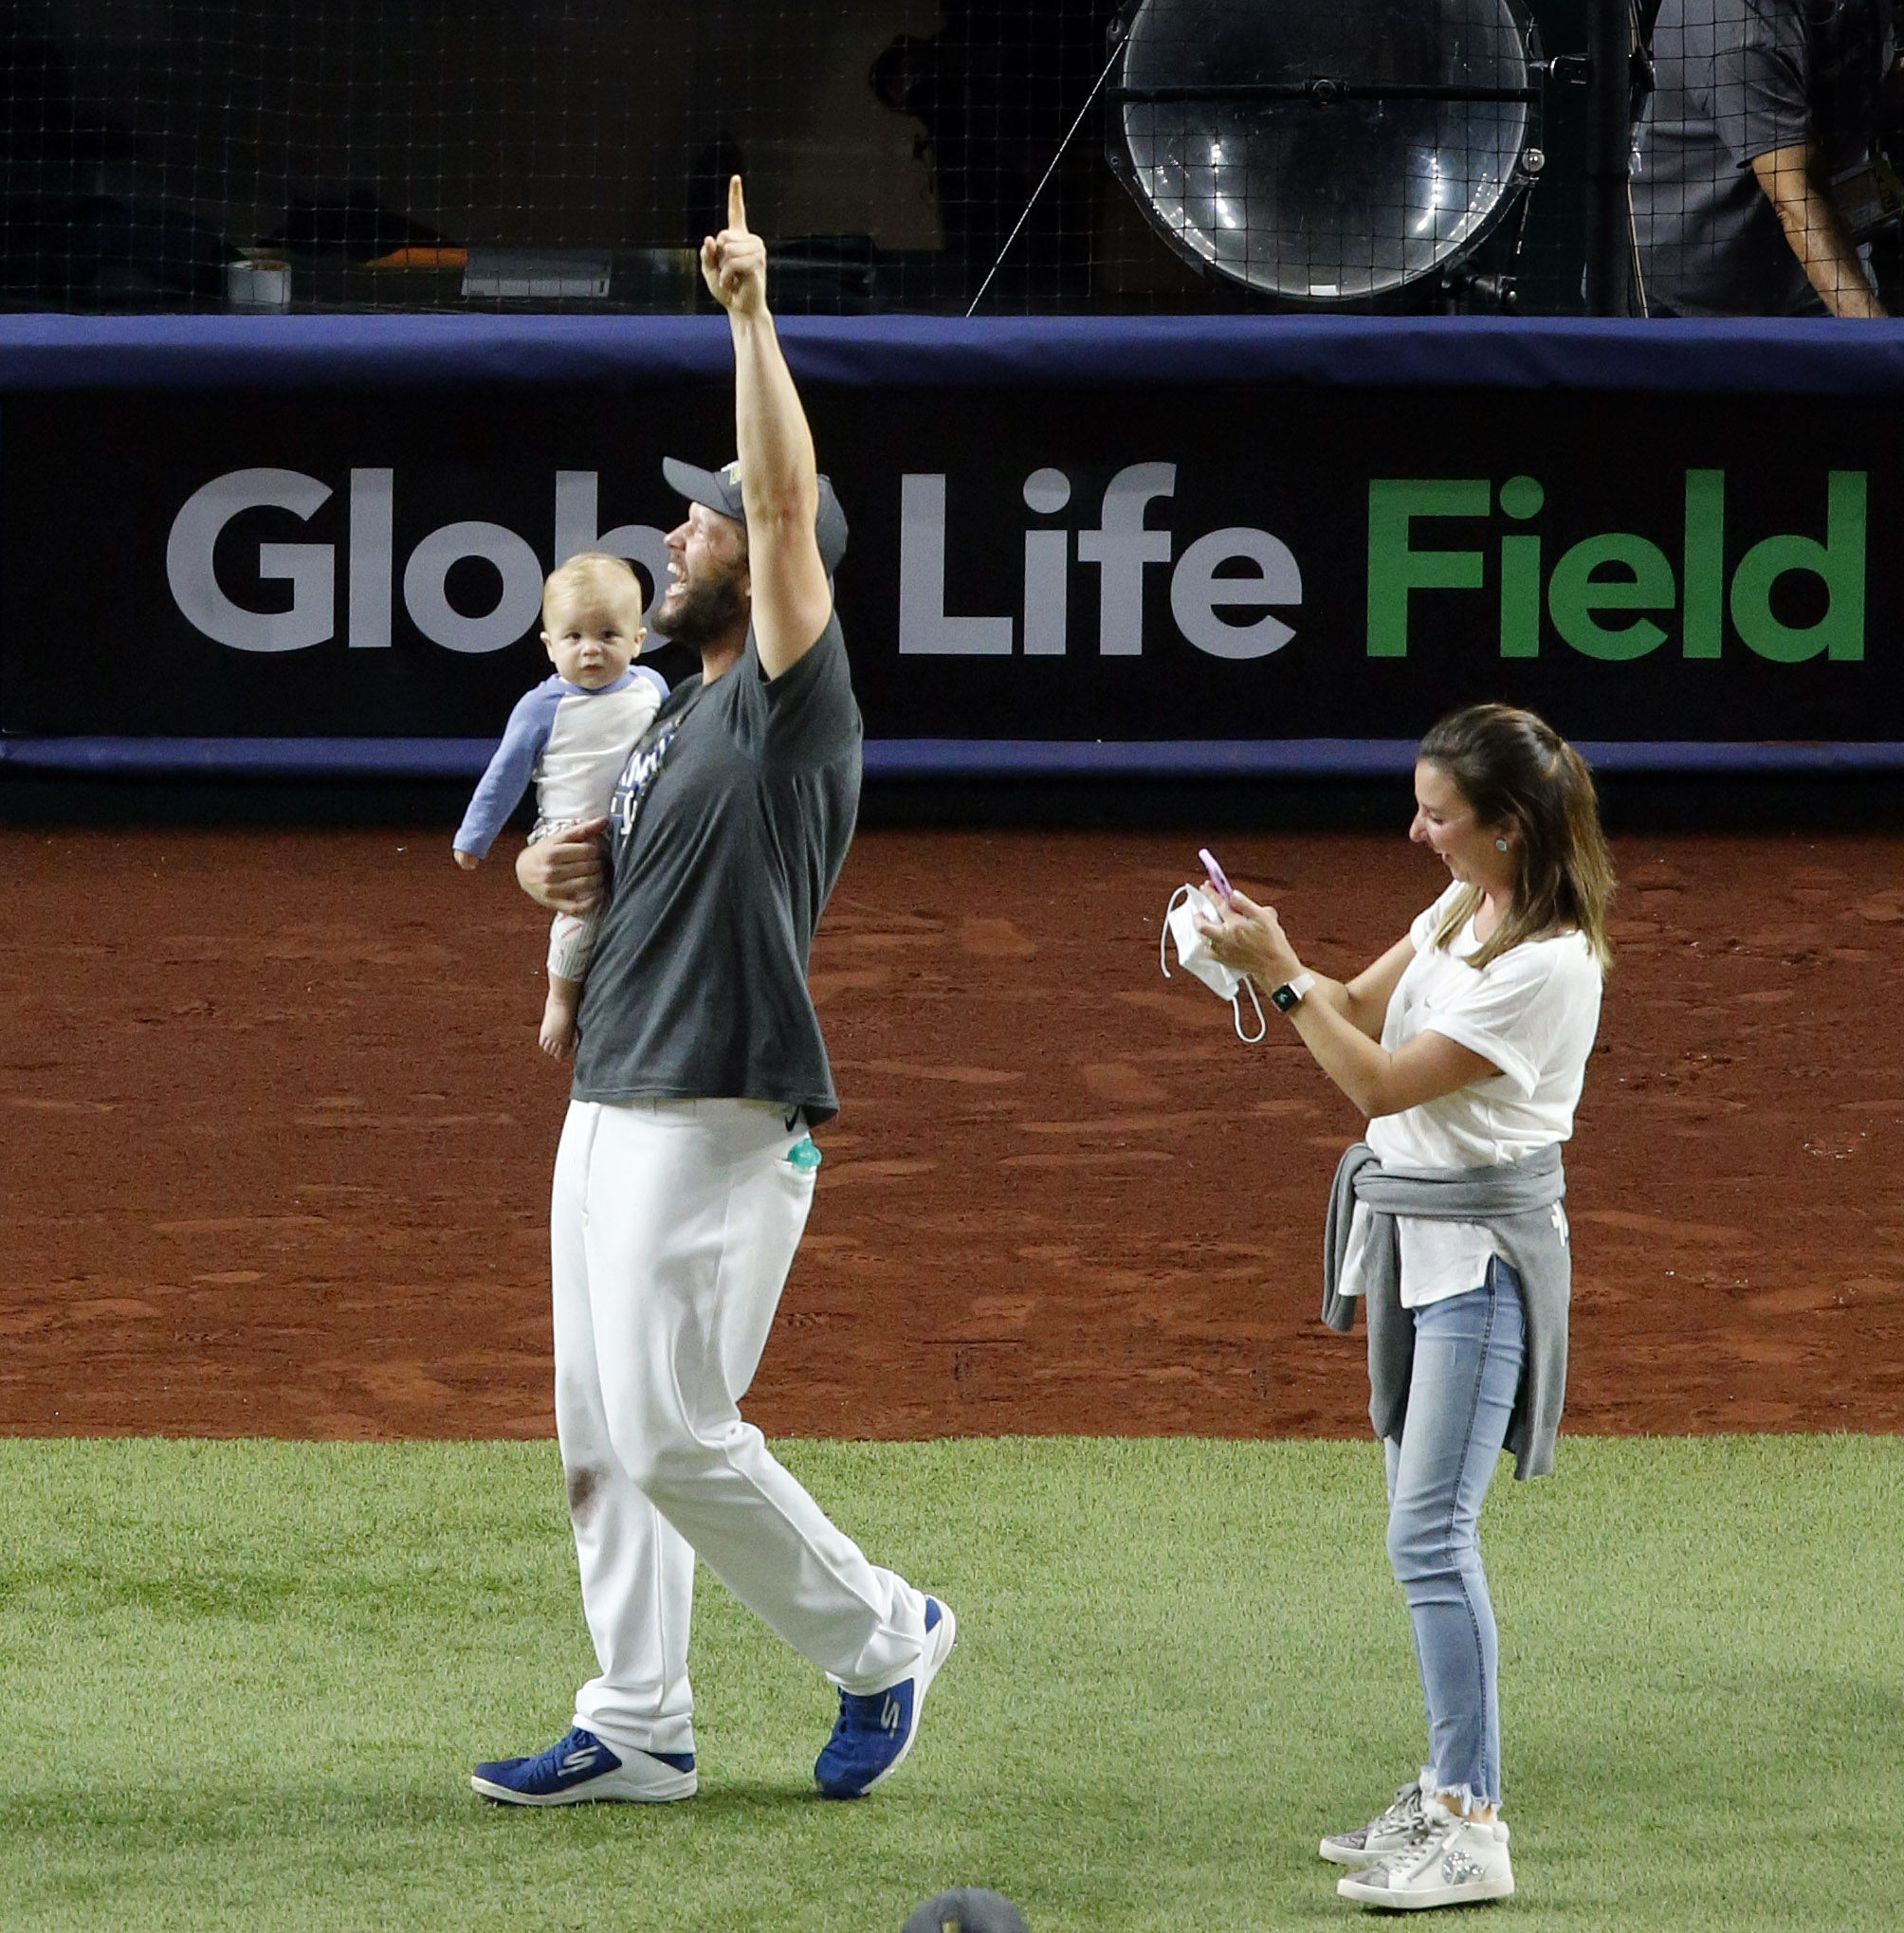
(1325, 150)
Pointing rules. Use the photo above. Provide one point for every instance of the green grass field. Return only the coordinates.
(242, 1684)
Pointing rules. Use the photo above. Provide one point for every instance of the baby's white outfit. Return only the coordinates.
(572, 743)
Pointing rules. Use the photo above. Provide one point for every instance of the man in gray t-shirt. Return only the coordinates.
(1757, 105)
(685, 1171)
(729, 827)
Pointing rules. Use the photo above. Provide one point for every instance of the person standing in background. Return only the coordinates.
(1759, 108)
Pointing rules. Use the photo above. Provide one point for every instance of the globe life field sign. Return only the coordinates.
(1044, 562)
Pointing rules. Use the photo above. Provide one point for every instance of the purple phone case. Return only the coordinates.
(1215, 871)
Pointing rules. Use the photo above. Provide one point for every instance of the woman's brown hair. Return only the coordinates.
(1511, 766)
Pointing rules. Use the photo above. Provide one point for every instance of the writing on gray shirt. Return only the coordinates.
(731, 822)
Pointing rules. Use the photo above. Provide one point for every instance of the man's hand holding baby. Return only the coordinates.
(567, 871)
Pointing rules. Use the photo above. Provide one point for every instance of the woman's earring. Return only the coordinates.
(1500, 844)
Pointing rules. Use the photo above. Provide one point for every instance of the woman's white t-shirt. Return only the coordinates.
(1532, 1011)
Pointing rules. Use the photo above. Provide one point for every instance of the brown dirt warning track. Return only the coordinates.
(277, 1139)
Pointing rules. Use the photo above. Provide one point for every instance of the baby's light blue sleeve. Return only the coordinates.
(500, 787)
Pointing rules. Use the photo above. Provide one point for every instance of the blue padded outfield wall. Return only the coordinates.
(1183, 546)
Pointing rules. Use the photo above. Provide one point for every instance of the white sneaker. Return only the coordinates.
(1453, 1864)
(1399, 1826)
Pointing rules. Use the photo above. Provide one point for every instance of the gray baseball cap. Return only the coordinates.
(721, 490)
(965, 1909)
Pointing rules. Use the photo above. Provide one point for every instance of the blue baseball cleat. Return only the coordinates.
(579, 1770)
(875, 1731)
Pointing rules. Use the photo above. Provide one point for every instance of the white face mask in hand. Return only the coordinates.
(1194, 956)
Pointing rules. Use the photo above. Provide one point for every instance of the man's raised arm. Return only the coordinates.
(791, 597)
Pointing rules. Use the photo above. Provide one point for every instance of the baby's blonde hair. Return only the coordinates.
(609, 576)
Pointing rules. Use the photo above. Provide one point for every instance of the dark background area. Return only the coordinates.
(1781, 804)
(144, 143)
(889, 145)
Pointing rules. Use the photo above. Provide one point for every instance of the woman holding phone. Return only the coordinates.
(1465, 1045)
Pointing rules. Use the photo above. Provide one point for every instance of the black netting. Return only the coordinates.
(1066, 155)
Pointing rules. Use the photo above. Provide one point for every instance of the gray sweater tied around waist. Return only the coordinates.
(1516, 1202)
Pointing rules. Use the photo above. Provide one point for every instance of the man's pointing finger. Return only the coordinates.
(736, 206)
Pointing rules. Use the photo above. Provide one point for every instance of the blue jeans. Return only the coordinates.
(1468, 1354)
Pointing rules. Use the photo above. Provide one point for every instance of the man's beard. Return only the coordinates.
(706, 612)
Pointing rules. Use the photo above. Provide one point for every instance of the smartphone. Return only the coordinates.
(1215, 871)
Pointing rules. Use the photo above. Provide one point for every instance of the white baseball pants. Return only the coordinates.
(672, 1226)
